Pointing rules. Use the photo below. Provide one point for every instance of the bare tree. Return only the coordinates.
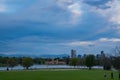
(116, 51)
(116, 58)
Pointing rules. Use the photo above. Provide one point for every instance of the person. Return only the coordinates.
(105, 76)
(112, 75)
(7, 69)
(119, 75)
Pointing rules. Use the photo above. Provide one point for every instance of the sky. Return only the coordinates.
(57, 26)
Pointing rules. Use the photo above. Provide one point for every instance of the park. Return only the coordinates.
(79, 68)
(59, 39)
(57, 74)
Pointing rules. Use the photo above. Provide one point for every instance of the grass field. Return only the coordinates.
(56, 75)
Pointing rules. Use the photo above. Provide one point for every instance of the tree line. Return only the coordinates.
(107, 61)
(11, 62)
(89, 60)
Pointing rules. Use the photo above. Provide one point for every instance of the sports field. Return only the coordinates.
(56, 74)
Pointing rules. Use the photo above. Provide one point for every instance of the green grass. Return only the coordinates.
(55, 75)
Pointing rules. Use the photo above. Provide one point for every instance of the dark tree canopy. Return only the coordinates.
(116, 58)
(27, 62)
(116, 63)
(73, 61)
(11, 62)
(107, 64)
(90, 61)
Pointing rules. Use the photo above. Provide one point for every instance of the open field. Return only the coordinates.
(56, 75)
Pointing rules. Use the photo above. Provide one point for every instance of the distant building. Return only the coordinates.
(73, 53)
(102, 54)
(55, 62)
(79, 56)
(98, 56)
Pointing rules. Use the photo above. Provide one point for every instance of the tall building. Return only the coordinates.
(79, 56)
(102, 54)
(73, 53)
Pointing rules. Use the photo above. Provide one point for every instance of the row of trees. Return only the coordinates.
(26, 62)
(11, 62)
(88, 60)
(107, 61)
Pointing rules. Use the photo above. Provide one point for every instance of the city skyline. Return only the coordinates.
(57, 26)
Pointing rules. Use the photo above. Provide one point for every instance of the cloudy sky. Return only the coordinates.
(57, 26)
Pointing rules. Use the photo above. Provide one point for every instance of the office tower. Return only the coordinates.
(73, 53)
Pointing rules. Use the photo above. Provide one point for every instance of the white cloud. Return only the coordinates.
(112, 13)
(76, 12)
(63, 3)
(110, 40)
(3, 8)
(81, 43)
(73, 7)
(101, 41)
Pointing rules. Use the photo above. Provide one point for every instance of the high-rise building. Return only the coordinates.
(79, 56)
(102, 54)
(73, 53)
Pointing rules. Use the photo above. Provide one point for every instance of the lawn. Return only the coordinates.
(55, 75)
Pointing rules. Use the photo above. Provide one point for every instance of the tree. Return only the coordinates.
(27, 62)
(105, 61)
(90, 61)
(66, 60)
(39, 61)
(80, 62)
(116, 58)
(116, 63)
(11, 62)
(102, 58)
(116, 51)
(107, 64)
(98, 60)
(4, 61)
(73, 62)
